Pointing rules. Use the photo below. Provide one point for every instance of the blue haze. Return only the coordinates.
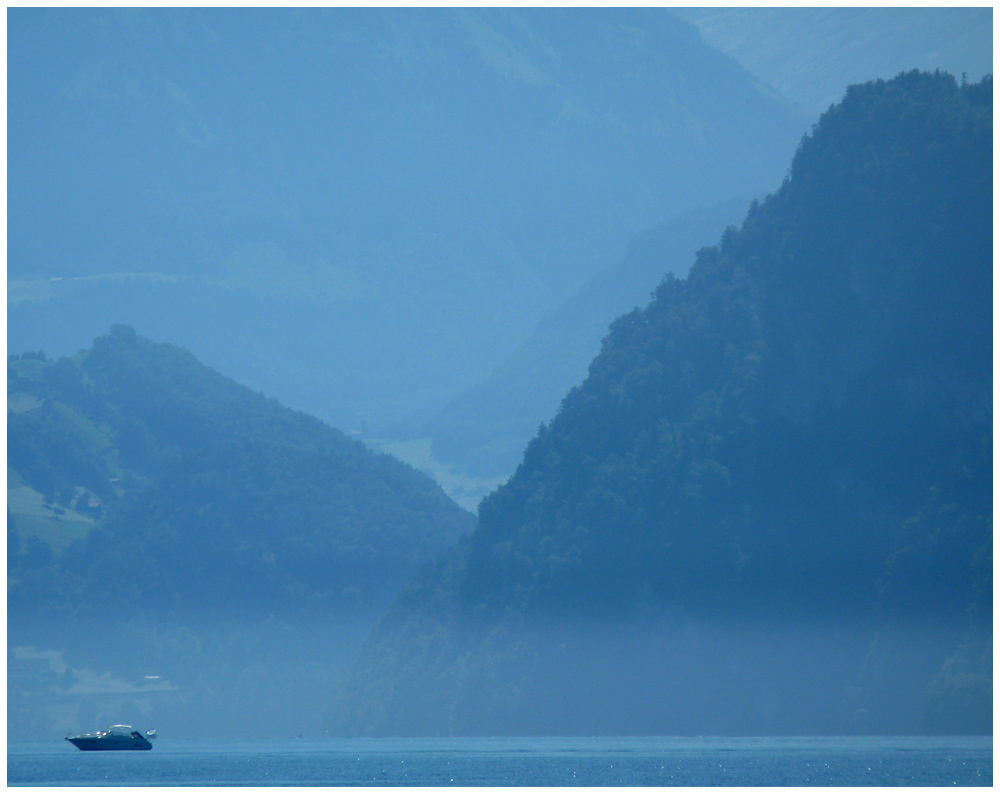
(375, 215)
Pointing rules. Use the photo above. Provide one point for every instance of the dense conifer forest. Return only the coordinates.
(768, 507)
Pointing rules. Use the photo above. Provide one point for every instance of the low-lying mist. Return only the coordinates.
(666, 674)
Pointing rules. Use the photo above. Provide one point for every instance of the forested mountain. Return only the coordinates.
(151, 498)
(420, 185)
(768, 507)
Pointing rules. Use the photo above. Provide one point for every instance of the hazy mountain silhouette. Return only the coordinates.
(360, 212)
(810, 55)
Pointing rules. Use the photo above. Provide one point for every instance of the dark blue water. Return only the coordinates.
(646, 761)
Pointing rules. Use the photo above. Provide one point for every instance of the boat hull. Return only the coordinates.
(106, 742)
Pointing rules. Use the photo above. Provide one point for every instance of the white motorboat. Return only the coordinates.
(117, 737)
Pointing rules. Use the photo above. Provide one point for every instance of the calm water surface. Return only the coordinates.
(647, 761)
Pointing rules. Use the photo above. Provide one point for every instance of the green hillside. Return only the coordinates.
(768, 507)
(150, 495)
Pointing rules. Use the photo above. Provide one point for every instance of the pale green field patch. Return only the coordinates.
(57, 526)
(21, 403)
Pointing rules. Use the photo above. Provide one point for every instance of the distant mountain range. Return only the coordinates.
(768, 508)
(811, 55)
(379, 204)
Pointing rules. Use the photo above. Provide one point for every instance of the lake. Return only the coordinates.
(627, 761)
